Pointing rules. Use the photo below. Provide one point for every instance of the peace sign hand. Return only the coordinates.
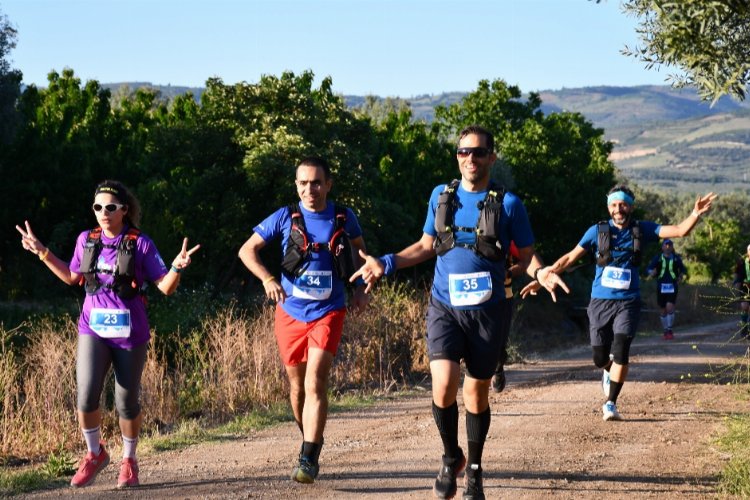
(183, 258)
(29, 240)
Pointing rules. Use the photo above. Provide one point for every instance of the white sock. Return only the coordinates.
(664, 321)
(128, 447)
(670, 320)
(93, 439)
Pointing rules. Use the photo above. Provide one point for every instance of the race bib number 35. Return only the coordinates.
(110, 323)
(469, 289)
(616, 277)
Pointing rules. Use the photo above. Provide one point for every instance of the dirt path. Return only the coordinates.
(547, 438)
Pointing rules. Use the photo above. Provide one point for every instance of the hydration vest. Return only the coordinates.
(604, 242)
(299, 247)
(487, 243)
(667, 266)
(124, 273)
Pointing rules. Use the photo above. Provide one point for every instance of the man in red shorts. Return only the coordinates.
(320, 244)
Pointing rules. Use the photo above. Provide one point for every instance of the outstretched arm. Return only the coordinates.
(30, 242)
(702, 205)
(541, 276)
(548, 276)
(374, 268)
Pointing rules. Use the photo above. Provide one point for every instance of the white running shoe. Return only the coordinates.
(605, 383)
(610, 412)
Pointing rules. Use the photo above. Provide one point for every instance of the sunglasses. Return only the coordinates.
(477, 152)
(109, 208)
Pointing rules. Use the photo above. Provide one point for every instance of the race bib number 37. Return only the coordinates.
(616, 277)
(469, 289)
(110, 323)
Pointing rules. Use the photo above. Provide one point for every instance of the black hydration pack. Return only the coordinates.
(490, 209)
(604, 243)
(299, 247)
(124, 284)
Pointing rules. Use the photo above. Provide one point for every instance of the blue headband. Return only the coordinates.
(620, 196)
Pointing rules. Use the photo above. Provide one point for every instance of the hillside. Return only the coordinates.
(664, 138)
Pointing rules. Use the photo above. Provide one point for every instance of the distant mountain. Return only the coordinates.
(664, 138)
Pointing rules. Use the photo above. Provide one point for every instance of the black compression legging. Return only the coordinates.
(93, 360)
(620, 349)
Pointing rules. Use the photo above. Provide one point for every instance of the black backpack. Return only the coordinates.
(299, 247)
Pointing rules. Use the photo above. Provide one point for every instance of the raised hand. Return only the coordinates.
(371, 271)
(183, 258)
(29, 241)
(703, 203)
(547, 279)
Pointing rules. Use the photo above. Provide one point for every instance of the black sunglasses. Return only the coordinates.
(111, 207)
(477, 152)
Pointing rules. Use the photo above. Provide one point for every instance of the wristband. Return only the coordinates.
(696, 214)
(44, 255)
(536, 271)
(268, 280)
(174, 269)
(389, 262)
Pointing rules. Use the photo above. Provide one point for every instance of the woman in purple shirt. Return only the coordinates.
(113, 262)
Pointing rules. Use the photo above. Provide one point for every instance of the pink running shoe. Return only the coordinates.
(128, 473)
(90, 466)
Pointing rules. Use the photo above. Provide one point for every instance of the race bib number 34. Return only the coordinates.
(110, 323)
(616, 277)
(313, 285)
(470, 289)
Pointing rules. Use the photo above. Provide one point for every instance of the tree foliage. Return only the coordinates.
(708, 40)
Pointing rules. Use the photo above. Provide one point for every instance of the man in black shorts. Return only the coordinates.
(615, 305)
(668, 269)
(464, 320)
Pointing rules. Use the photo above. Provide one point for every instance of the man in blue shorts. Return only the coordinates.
(615, 306)
(469, 226)
(668, 269)
(318, 236)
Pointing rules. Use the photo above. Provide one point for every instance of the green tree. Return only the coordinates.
(10, 82)
(714, 243)
(707, 40)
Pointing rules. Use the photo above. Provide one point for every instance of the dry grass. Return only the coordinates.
(227, 367)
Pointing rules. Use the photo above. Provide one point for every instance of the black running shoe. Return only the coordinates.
(305, 472)
(473, 483)
(445, 484)
(498, 380)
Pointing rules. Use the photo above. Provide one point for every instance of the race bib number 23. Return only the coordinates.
(110, 323)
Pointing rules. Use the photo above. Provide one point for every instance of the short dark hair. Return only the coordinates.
(317, 162)
(479, 130)
(623, 188)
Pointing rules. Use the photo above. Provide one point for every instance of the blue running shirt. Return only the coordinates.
(475, 281)
(619, 280)
(318, 291)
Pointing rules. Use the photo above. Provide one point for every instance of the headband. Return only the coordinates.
(107, 189)
(620, 196)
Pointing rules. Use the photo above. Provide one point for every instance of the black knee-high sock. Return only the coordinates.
(614, 390)
(447, 423)
(477, 427)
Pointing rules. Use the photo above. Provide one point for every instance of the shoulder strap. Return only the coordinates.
(603, 243)
(635, 228)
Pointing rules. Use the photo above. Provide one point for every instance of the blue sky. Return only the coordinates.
(399, 48)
